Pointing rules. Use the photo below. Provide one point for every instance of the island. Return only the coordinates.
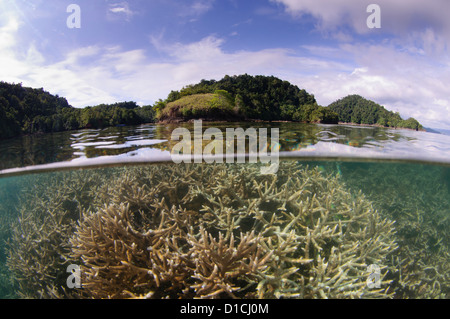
(25, 110)
(243, 98)
(356, 110)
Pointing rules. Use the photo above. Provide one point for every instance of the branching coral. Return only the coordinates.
(157, 254)
(329, 238)
(219, 264)
(200, 231)
(227, 231)
(38, 248)
(417, 197)
(121, 258)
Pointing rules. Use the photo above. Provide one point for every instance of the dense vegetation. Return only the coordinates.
(208, 105)
(252, 98)
(358, 110)
(25, 111)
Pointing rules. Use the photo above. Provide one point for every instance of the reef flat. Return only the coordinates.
(204, 231)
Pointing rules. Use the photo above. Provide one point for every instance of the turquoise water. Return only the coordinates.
(351, 212)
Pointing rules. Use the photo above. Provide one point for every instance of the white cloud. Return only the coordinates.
(407, 71)
(202, 50)
(398, 17)
(404, 80)
(200, 7)
(193, 8)
(121, 9)
(7, 34)
(94, 74)
(29, 66)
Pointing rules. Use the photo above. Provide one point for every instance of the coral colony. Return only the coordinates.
(200, 231)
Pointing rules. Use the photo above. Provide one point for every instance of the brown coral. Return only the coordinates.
(200, 231)
(38, 248)
(314, 238)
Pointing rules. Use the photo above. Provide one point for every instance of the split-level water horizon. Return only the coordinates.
(350, 212)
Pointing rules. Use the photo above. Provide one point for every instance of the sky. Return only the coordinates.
(140, 50)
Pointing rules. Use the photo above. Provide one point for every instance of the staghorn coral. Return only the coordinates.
(120, 258)
(37, 248)
(332, 238)
(173, 231)
(38, 244)
(189, 231)
(199, 231)
(136, 254)
(417, 197)
(219, 264)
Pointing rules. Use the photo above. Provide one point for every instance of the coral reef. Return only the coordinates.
(38, 246)
(6, 283)
(222, 231)
(420, 204)
(212, 231)
(9, 194)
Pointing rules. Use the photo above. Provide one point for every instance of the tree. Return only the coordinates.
(173, 96)
(356, 109)
(239, 106)
(255, 97)
(160, 105)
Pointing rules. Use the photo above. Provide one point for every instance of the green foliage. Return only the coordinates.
(356, 109)
(146, 114)
(159, 106)
(26, 111)
(9, 126)
(224, 94)
(212, 106)
(222, 101)
(238, 105)
(410, 123)
(173, 96)
(255, 98)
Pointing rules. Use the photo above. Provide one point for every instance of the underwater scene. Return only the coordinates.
(351, 212)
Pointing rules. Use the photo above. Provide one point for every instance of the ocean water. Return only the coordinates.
(350, 212)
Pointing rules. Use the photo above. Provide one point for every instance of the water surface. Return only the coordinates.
(153, 143)
(347, 204)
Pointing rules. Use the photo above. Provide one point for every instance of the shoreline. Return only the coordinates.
(179, 121)
(381, 126)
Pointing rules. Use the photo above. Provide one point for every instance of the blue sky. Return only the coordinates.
(139, 50)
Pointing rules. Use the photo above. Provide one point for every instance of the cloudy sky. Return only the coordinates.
(139, 50)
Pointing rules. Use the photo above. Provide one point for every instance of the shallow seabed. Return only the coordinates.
(324, 229)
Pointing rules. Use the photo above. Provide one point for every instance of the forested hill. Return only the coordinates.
(26, 110)
(244, 97)
(358, 110)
